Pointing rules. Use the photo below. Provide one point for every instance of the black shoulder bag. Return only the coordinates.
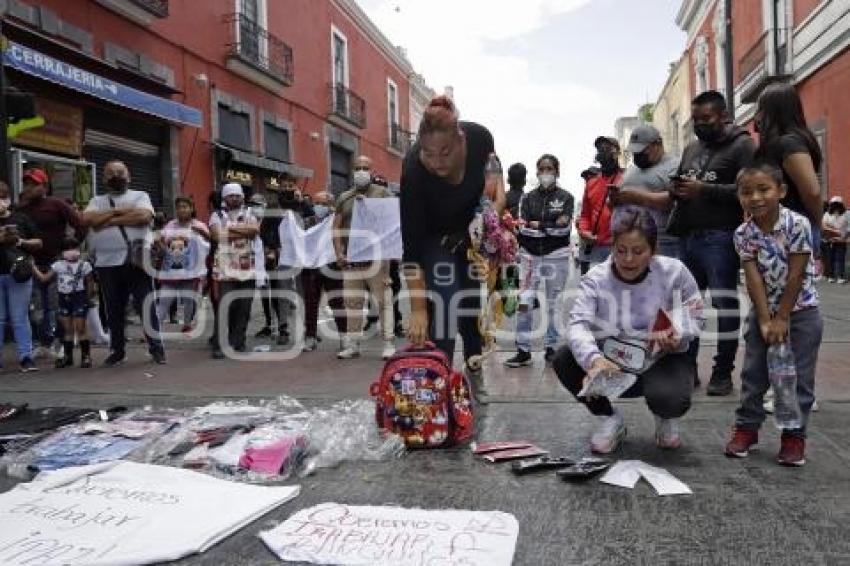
(135, 248)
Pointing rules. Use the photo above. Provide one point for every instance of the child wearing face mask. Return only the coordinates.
(75, 288)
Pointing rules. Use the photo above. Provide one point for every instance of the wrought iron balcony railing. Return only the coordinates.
(400, 139)
(255, 46)
(346, 104)
(158, 8)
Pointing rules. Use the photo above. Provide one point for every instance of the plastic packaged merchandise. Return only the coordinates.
(347, 431)
(782, 371)
(608, 383)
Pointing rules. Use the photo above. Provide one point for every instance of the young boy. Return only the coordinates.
(75, 288)
(775, 246)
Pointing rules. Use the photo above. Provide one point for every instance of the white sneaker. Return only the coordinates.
(815, 406)
(842, 281)
(830, 280)
(608, 436)
(667, 433)
(389, 349)
(310, 344)
(350, 349)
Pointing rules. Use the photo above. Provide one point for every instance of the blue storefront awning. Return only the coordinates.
(37, 64)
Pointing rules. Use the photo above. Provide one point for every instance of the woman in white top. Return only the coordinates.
(637, 312)
(835, 224)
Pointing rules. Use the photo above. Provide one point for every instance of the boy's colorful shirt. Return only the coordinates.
(792, 234)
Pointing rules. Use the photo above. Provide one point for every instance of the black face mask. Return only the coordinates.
(642, 160)
(117, 184)
(288, 201)
(607, 162)
(707, 133)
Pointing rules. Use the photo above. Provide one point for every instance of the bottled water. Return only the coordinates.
(783, 377)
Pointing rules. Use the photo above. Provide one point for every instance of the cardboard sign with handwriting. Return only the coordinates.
(125, 513)
(333, 533)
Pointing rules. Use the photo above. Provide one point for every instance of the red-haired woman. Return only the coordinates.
(442, 183)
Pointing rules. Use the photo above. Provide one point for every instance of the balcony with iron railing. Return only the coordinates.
(144, 12)
(158, 8)
(400, 139)
(253, 46)
(765, 62)
(346, 104)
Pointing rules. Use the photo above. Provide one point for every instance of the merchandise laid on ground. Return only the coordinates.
(154, 484)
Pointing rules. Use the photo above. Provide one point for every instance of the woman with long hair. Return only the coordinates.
(786, 142)
(442, 183)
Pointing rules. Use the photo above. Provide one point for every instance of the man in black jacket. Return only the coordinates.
(706, 215)
(545, 216)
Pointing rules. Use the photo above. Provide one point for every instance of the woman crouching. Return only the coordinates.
(635, 313)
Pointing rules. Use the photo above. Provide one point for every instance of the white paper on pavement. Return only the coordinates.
(375, 230)
(333, 533)
(626, 473)
(125, 513)
(310, 249)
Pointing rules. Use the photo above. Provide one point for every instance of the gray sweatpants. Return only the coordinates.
(806, 329)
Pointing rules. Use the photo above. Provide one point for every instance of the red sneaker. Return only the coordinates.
(792, 450)
(741, 442)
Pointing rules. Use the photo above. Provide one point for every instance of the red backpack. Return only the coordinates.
(420, 398)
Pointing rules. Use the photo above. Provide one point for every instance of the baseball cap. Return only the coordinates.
(834, 200)
(601, 139)
(643, 136)
(231, 189)
(37, 176)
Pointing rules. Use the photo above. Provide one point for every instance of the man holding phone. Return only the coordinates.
(647, 184)
(706, 216)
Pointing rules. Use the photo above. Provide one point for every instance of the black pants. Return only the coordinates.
(237, 314)
(457, 304)
(274, 304)
(118, 284)
(666, 386)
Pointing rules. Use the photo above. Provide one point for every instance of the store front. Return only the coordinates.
(254, 173)
(91, 119)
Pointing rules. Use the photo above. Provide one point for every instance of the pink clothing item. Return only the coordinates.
(271, 459)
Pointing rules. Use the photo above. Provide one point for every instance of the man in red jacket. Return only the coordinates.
(594, 223)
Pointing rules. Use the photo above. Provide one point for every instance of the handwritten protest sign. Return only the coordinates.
(375, 230)
(309, 249)
(333, 533)
(125, 513)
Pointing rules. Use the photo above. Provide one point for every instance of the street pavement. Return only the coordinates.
(742, 512)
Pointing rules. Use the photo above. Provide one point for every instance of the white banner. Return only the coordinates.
(333, 533)
(125, 513)
(375, 230)
(309, 249)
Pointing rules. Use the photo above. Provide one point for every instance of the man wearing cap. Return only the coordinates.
(647, 183)
(119, 222)
(239, 250)
(594, 223)
(365, 278)
(51, 216)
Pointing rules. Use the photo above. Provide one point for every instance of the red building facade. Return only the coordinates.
(804, 42)
(231, 90)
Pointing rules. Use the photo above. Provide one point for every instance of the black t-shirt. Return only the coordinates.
(775, 153)
(430, 206)
(26, 231)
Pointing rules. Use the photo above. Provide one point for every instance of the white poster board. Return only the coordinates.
(308, 249)
(334, 533)
(375, 230)
(125, 513)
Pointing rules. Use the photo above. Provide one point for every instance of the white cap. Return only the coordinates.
(231, 189)
(833, 200)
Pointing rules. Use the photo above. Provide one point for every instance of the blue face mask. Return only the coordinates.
(321, 210)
